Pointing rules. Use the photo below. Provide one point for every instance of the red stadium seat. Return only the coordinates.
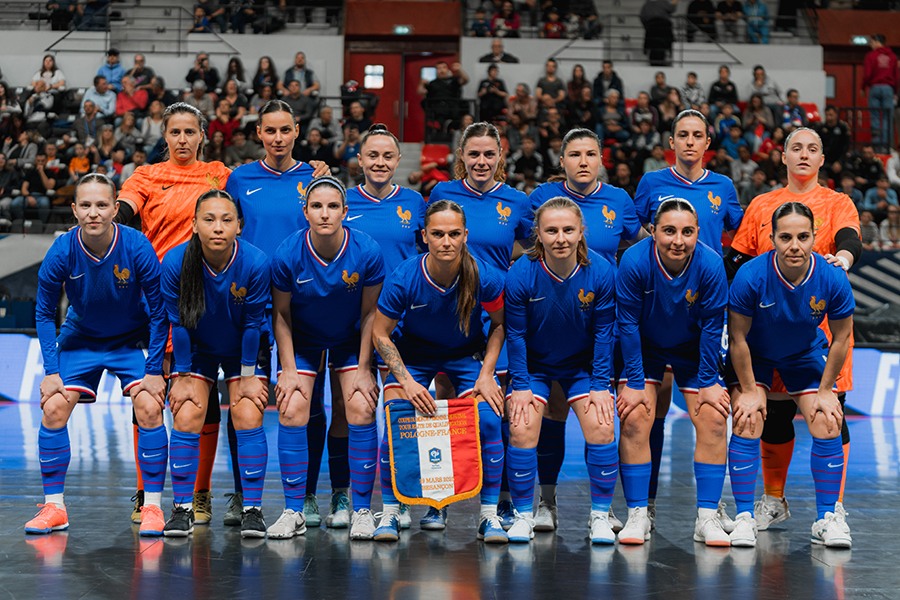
(742, 106)
(437, 153)
(812, 112)
(630, 103)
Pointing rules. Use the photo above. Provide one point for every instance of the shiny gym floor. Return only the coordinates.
(102, 556)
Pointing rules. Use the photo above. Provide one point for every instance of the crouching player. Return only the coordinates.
(111, 277)
(560, 309)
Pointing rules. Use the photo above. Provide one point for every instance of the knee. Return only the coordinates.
(148, 413)
(358, 411)
(711, 427)
(637, 425)
(56, 412)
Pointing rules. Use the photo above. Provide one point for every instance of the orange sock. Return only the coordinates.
(844, 474)
(140, 480)
(209, 440)
(776, 458)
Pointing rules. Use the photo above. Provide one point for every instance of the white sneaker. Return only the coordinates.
(637, 527)
(546, 518)
(831, 531)
(601, 529)
(708, 529)
(744, 533)
(289, 524)
(362, 524)
(339, 515)
(522, 530)
(651, 513)
(614, 521)
(726, 521)
(405, 517)
(770, 510)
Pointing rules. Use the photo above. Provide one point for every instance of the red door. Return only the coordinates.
(381, 74)
(852, 104)
(418, 67)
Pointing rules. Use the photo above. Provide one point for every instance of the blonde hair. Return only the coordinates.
(536, 252)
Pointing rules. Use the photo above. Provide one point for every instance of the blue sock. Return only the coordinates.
(54, 453)
(233, 453)
(826, 459)
(551, 451)
(635, 483)
(387, 489)
(184, 456)
(743, 465)
(293, 455)
(339, 462)
(504, 435)
(153, 454)
(521, 471)
(315, 434)
(710, 478)
(253, 458)
(363, 454)
(603, 469)
(491, 454)
(657, 441)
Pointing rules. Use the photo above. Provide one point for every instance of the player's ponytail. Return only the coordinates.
(480, 129)
(192, 295)
(536, 252)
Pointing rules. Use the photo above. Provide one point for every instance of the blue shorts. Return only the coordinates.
(340, 358)
(463, 373)
(685, 366)
(576, 385)
(206, 367)
(81, 368)
(801, 375)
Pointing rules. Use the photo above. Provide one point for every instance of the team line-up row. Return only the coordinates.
(336, 286)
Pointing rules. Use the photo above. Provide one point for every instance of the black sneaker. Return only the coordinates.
(252, 524)
(181, 523)
(138, 500)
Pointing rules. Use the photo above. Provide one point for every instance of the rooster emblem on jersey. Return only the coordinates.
(405, 216)
(816, 308)
(238, 293)
(691, 298)
(351, 279)
(301, 191)
(609, 215)
(122, 275)
(212, 181)
(714, 202)
(585, 299)
(504, 212)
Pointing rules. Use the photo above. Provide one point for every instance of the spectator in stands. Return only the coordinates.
(773, 142)
(102, 97)
(848, 186)
(8, 103)
(35, 192)
(724, 122)
(202, 71)
(506, 21)
(266, 93)
(552, 28)
(729, 14)
(9, 180)
(200, 99)
(518, 130)
(141, 73)
(756, 14)
(50, 74)
(314, 147)
(326, 124)
(866, 167)
(590, 26)
(138, 159)
(743, 168)
(38, 104)
(766, 87)
(266, 75)
(151, 127)
(878, 198)
(87, 124)
(643, 111)
(524, 161)
(583, 112)
(80, 163)
(552, 154)
(224, 122)
(656, 17)
(306, 77)
(62, 12)
(21, 152)
(497, 54)
(693, 93)
(112, 70)
(701, 16)
(215, 149)
(239, 104)
(668, 109)
(550, 89)
(214, 12)
(159, 92)
(613, 121)
(106, 145)
(242, 150)
(758, 122)
(722, 92)
(346, 152)
(835, 136)
(578, 81)
(201, 23)
(734, 141)
(92, 15)
(480, 25)
(127, 135)
(774, 167)
(235, 72)
(793, 115)
(492, 95)
(720, 163)
(247, 12)
(607, 79)
(523, 104)
(880, 80)
(889, 230)
(893, 170)
(56, 166)
(442, 96)
(131, 99)
(758, 185)
(656, 160)
(869, 232)
(622, 178)
(659, 90)
(357, 117)
(304, 107)
(552, 124)
(641, 144)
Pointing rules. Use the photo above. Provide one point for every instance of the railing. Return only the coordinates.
(859, 120)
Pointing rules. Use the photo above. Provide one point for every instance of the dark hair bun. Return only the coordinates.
(377, 127)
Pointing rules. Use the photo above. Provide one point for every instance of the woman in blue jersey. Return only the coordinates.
(714, 198)
(216, 289)
(609, 212)
(325, 285)
(560, 309)
(436, 300)
(776, 303)
(671, 293)
(111, 279)
(270, 194)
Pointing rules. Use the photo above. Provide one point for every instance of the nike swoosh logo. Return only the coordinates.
(165, 187)
(369, 466)
(608, 473)
(770, 305)
(496, 460)
(302, 281)
(349, 218)
(664, 198)
(251, 192)
(177, 466)
(742, 468)
(521, 475)
(648, 291)
(831, 466)
(76, 276)
(294, 480)
(249, 473)
(536, 299)
(415, 306)
(49, 460)
(158, 454)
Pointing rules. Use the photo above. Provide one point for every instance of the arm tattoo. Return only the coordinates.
(391, 357)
